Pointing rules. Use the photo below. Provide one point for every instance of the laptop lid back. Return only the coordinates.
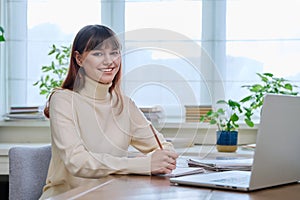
(277, 153)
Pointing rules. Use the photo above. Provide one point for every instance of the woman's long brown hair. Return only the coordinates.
(89, 38)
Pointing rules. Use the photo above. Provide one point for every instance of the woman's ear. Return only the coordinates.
(78, 58)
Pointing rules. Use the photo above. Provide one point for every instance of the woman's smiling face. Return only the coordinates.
(101, 64)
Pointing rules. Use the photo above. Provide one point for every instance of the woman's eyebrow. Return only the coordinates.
(102, 49)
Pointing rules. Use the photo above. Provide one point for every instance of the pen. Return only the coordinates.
(157, 140)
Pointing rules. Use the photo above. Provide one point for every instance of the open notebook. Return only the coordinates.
(183, 171)
(222, 165)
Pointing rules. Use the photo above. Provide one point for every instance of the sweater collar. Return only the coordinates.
(94, 89)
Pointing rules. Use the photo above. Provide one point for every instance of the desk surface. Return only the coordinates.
(152, 187)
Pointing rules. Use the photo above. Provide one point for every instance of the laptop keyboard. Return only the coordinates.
(242, 180)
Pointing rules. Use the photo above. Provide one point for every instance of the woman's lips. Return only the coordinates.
(106, 69)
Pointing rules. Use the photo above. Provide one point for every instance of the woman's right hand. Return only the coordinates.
(163, 161)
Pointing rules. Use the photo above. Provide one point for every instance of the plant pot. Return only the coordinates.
(227, 141)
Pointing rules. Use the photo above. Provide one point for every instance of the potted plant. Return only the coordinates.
(226, 119)
(2, 39)
(54, 73)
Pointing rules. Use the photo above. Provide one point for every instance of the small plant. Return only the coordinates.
(227, 118)
(2, 39)
(54, 73)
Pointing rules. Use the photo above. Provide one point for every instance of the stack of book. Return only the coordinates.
(153, 113)
(194, 112)
(24, 113)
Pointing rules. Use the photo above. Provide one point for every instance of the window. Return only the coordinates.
(175, 52)
(240, 37)
(261, 37)
(162, 55)
(34, 25)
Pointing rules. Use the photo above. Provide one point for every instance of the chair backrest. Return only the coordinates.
(28, 168)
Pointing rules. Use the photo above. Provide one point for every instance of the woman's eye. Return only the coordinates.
(115, 53)
(97, 54)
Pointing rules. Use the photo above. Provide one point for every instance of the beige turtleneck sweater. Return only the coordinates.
(90, 139)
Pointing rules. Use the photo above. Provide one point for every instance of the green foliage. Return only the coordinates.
(54, 74)
(2, 39)
(270, 84)
(226, 117)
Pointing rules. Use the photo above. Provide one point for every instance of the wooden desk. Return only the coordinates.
(152, 187)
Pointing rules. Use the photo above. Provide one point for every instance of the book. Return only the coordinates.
(183, 171)
(197, 106)
(222, 165)
(153, 113)
(24, 109)
(24, 116)
(193, 113)
(24, 113)
(151, 109)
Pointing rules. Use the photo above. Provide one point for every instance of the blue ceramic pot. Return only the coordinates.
(227, 141)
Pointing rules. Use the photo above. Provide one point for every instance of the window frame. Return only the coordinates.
(113, 15)
(3, 61)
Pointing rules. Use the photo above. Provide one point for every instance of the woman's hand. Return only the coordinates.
(163, 161)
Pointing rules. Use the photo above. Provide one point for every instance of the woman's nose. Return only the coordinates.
(107, 59)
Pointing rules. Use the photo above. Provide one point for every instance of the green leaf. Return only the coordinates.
(256, 88)
(247, 98)
(213, 121)
(202, 118)
(51, 52)
(47, 78)
(209, 112)
(268, 74)
(288, 86)
(2, 39)
(221, 111)
(233, 104)
(221, 102)
(249, 123)
(234, 117)
(44, 92)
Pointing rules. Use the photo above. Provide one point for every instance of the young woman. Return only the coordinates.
(93, 124)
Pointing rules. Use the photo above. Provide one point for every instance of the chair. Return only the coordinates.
(28, 168)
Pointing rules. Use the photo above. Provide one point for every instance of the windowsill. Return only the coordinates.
(167, 124)
(25, 123)
(38, 131)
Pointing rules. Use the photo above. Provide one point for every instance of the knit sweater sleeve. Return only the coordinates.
(71, 151)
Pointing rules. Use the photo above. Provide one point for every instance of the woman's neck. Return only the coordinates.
(94, 89)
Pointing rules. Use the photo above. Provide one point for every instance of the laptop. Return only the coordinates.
(276, 159)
